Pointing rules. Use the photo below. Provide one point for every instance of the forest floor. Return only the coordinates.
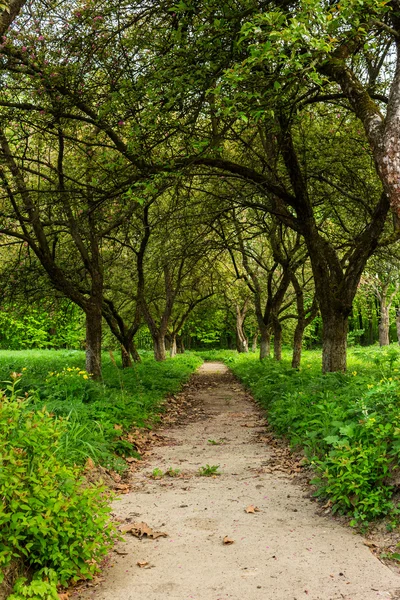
(249, 532)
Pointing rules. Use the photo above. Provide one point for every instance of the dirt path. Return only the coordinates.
(284, 552)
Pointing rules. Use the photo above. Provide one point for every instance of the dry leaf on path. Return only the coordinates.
(252, 509)
(123, 488)
(141, 530)
(142, 563)
(63, 596)
(227, 540)
(370, 544)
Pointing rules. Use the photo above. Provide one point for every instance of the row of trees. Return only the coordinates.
(152, 154)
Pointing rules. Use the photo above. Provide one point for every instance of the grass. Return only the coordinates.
(348, 425)
(99, 414)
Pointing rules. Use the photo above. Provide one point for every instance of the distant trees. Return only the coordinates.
(144, 145)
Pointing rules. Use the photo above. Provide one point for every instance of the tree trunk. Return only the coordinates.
(242, 344)
(277, 340)
(173, 349)
(159, 347)
(125, 357)
(133, 352)
(384, 324)
(93, 339)
(254, 344)
(398, 324)
(265, 344)
(297, 344)
(180, 344)
(334, 342)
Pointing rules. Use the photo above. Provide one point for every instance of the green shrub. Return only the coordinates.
(348, 425)
(125, 398)
(50, 520)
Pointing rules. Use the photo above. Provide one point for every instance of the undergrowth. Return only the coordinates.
(54, 526)
(347, 424)
(98, 413)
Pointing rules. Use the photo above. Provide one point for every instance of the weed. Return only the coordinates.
(209, 470)
(157, 473)
(172, 472)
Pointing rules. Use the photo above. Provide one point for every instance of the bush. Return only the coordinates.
(99, 413)
(50, 520)
(348, 424)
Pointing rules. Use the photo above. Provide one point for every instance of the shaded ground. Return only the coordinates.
(283, 551)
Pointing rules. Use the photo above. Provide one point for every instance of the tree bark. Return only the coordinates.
(180, 344)
(242, 344)
(134, 352)
(398, 324)
(277, 339)
(298, 344)
(254, 343)
(125, 357)
(334, 342)
(159, 347)
(173, 349)
(384, 324)
(93, 339)
(265, 344)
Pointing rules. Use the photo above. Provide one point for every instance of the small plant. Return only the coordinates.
(46, 506)
(220, 442)
(157, 473)
(209, 470)
(172, 472)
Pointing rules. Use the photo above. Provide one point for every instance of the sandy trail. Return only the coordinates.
(284, 552)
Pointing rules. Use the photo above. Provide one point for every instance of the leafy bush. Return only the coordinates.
(49, 520)
(347, 424)
(98, 414)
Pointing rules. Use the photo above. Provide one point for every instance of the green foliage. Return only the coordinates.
(92, 410)
(50, 519)
(39, 327)
(347, 424)
(209, 470)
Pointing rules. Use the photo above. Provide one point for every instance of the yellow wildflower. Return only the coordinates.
(85, 377)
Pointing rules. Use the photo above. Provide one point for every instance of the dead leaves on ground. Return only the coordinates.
(141, 530)
(252, 509)
(142, 564)
(227, 541)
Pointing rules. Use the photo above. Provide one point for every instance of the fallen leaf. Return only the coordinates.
(131, 459)
(140, 530)
(228, 540)
(89, 464)
(122, 487)
(118, 427)
(370, 544)
(63, 596)
(120, 552)
(142, 563)
(252, 509)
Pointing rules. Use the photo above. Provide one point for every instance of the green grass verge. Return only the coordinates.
(54, 526)
(98, 413)
(347, 424)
